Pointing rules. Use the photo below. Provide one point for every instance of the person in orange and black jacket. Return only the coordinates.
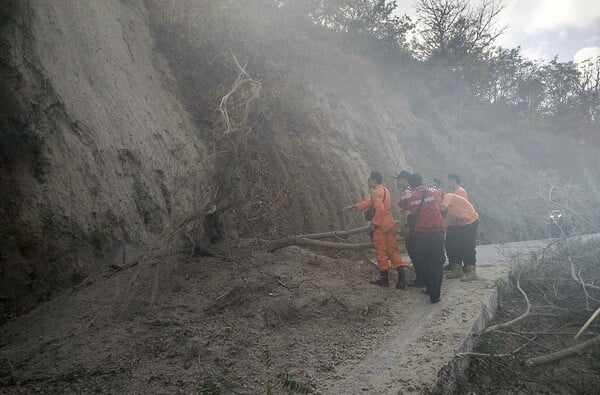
(429, 227)
(384, 231)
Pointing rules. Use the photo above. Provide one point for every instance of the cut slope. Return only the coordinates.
(118, 148)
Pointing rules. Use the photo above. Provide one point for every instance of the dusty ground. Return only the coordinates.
(235, 323)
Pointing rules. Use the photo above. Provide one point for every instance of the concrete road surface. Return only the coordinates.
(412, 355)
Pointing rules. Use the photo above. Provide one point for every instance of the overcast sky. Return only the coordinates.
(544, 28)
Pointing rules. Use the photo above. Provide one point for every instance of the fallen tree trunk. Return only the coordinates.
(311, 239)
(335, 233)
(295, 240)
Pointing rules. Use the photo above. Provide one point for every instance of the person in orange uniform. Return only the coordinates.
(456, 187)
(384, 231)
(452, 226)
(465, 233)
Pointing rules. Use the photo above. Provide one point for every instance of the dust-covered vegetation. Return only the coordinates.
(505, 122)
(532, 345)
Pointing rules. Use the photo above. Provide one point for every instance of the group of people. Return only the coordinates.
(435, 224)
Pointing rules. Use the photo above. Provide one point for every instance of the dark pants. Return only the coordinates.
(452, 235)
(430, 256)
(411, 249)
(460, 244)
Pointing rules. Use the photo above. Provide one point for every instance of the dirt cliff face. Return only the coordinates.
(115, 149)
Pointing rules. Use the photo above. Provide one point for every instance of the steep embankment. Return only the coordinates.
(114, 146)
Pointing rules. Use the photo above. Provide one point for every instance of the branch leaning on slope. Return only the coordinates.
(253, 93)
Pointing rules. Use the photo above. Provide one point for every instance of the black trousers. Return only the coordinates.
(430, 256)
(460, 244)
(411, 249)
(452, 252)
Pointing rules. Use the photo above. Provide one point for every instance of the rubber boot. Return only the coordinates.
(401, 284)
(470, 273)
(383, 280)
(457, 272)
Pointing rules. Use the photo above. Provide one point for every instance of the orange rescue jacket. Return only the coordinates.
(383, 207)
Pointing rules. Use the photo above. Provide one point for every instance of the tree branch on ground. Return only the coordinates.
(520, 318)
(295, 240)
(587, 323)
(312, 240)
(561, 354)
(479, 354)
(577, 279)
(336, 233)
